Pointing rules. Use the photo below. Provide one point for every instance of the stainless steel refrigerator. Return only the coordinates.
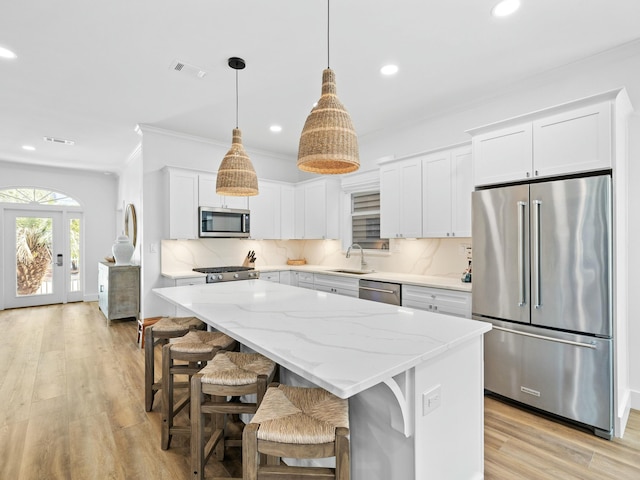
(542, 276)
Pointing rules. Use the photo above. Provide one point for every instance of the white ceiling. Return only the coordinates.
(91, 71)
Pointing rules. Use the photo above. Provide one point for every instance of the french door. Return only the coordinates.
(41, 259)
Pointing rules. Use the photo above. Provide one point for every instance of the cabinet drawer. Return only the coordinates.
(179, 282)
(336, 281)
(270, 276)
(439, 300)
(305, 277)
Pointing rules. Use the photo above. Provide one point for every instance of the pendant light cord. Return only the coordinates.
(328, 17)
(236, 98)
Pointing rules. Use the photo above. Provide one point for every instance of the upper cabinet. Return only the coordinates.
(272, 211)
(183, 204)
(566, 139)
(446, 193)
(401, 199)
(317, 209)
(207, 196)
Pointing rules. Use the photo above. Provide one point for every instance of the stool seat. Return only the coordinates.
(300, 423)
(176, 324)
(235, 368)
(300, 415)
(197, 342)
(197, 348)
(159, 333)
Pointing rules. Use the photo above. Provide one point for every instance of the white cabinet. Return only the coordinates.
(401, 199)
(446, 193)
(304, 280)
(287, 211)
(272, 211)
(346, 286)
(317, 213)
(574, 141)
(270, 276)
(183, 204)
(179, 282)
(437, 300)
(265, 211)
(285, 277)
(558, 141)
(207, 196)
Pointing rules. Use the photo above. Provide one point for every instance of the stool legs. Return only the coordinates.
(219, 408)
(167, 397)
(150, 385)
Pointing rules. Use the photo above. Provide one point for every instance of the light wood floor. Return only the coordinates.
(71, 407)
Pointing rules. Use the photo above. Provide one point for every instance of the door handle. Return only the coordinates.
(59, 260)
(536, 254)
(522, 301)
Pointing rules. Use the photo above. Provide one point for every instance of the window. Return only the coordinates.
(365, 221)
(37, 196)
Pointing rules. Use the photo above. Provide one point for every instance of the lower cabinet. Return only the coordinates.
(303, 279)
(438, 300)
(270, 276)
(179, 282)
(346, 286)
(118, 290)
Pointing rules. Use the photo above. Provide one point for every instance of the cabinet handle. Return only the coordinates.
(528, 174)
(435, 307)
(591, 345)
(453, 234)
(536, 173)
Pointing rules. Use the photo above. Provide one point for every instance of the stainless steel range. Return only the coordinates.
(228, 274)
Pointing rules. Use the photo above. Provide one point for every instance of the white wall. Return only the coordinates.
(96, 192)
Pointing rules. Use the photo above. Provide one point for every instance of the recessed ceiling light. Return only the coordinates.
(31, 148)
(6, 53)
(389, 70)
(275, 128)
(505, 8)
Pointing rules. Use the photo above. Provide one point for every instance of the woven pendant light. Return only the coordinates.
(328, 142)
(236, 175)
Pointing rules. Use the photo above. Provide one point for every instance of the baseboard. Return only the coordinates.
(624, 409)
(635, 399)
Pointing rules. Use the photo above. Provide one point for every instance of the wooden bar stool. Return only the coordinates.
(297, 422)
(196, 348)
(159, 334)
(229, 374)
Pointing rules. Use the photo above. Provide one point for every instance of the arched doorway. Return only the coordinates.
(42, 247)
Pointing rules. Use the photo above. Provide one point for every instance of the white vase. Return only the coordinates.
(122, 250)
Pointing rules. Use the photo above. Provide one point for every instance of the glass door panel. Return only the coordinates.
(33, 258)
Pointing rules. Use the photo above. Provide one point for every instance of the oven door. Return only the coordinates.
(223, 222)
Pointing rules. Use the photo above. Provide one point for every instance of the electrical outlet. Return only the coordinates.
(431, 400)
(153, 248)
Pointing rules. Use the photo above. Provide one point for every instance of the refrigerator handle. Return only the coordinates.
(537, 301)
(522, 301)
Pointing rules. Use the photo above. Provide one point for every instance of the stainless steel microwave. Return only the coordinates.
(223, 222)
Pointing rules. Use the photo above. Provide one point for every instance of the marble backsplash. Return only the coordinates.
(437, 256)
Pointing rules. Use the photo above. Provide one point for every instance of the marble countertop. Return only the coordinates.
(345, 345)
(436, 281)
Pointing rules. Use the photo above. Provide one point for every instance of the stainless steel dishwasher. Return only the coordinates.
(383, 292)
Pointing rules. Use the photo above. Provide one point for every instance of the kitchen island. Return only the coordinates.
(414, 379)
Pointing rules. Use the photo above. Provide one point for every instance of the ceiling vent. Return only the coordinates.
(59, 140)
(190, 70)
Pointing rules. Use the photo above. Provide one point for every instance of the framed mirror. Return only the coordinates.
(131, 223)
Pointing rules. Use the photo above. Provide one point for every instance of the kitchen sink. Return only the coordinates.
(353, 272)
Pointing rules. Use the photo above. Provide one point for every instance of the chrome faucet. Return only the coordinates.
(363, 262)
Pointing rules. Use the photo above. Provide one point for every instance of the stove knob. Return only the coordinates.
(235, 275)
(219, 277)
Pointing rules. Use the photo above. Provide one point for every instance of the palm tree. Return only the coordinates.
(33, 253)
